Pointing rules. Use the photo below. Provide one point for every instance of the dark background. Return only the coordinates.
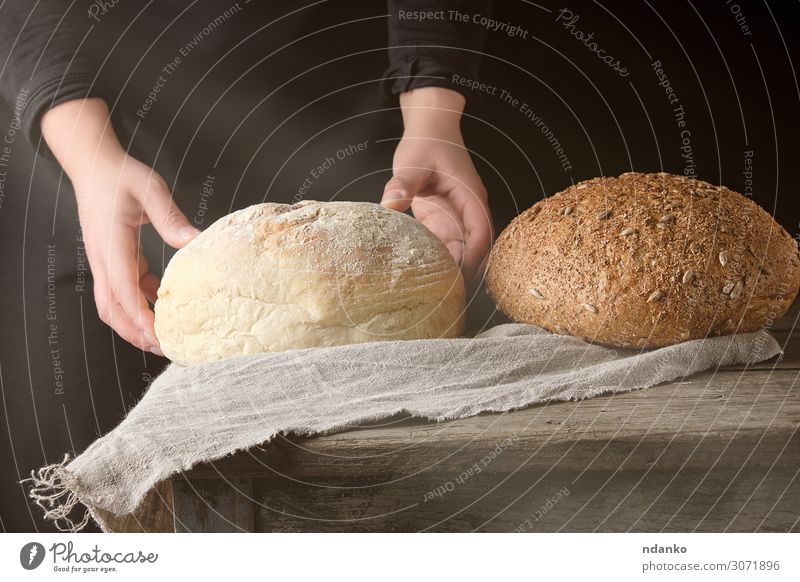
(739, 93)
(260, 114)
(260, 103)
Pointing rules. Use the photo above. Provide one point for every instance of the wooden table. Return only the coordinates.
(717, 451)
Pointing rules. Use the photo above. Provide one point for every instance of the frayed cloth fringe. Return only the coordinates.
(49, 486)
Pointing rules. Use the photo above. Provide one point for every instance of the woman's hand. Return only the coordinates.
(116, 195)
(434, 176)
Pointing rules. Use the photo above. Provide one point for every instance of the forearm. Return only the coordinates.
(79, 133)
(431, 111)
(433, 175)
(42, 46)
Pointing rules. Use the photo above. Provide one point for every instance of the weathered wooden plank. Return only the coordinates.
(153, 515)
(717, 451)
(213, 505)
(708, 499)
(720, 410)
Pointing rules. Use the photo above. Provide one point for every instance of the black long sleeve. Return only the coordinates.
(46, 57)
(430, 41)
(43, 59)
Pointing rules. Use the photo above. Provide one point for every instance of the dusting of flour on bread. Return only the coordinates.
(277, 276)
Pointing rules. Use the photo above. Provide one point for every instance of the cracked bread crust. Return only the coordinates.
(644, 260)
(276, 277)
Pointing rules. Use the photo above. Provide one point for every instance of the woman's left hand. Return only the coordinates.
(434, 176)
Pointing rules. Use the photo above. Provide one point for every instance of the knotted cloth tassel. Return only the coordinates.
(48, 487)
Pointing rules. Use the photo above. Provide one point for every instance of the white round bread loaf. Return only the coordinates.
(644, 260)
(276, 277)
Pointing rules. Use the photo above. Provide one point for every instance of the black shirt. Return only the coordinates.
(55, 50)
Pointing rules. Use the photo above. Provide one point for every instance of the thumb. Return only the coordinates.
(167, 219)
(396, 195)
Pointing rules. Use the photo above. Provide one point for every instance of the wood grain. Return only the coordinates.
(717, 451)
(218, 505)
(153, 515)
(732, 409)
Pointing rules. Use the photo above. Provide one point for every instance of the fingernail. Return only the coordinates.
(187, 233)
(156, 351)
(392, 195)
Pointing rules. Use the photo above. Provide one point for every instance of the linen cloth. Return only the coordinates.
(197, 414)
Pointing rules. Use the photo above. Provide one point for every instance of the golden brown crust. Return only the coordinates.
(644, 260)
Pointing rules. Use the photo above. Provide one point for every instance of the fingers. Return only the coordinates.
(161, 211)
(439, 215)
(124, 270)
(482, 267)
(469, 200)
(456, 249)
(148, 282)
(112, 291)
(406, 183)
(478, 237)
(149, 285)
(396, 196)
(111, 312)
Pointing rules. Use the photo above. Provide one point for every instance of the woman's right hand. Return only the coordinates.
(116, 195)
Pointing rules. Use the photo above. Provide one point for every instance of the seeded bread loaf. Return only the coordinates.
(644, 260)
(276, 277)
